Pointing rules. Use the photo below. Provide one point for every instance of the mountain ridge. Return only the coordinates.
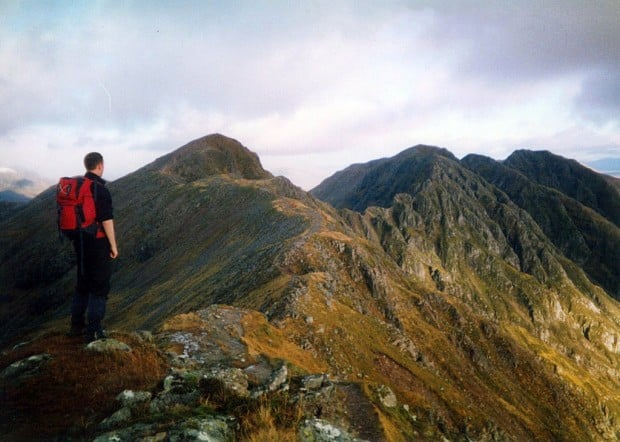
(569, 177)
(582, 230)
(425, 278)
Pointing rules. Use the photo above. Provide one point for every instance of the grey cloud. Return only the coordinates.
(599, 99)
(506, 43)
(124, 65)
(525, 40)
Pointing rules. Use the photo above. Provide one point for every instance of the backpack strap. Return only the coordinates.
(95, 186)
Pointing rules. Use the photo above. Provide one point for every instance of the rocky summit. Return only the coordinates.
(417, 297)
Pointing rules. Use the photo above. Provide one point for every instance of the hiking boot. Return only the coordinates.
(96, 336)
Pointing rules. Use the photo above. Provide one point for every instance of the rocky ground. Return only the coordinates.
(196, 379)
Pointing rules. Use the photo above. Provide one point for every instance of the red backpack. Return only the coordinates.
(77, 212)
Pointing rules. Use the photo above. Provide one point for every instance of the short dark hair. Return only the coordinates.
(92, 160)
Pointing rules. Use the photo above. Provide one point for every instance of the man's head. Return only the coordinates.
(94, 163)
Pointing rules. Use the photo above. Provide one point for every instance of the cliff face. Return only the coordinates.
(425, 278)
(576, 208)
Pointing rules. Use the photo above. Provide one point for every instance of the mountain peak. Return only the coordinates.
(213, 154)
(377, 182)
(569, 177)
(425, 150)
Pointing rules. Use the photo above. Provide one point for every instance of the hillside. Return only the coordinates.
(427, 304)
(186, 240)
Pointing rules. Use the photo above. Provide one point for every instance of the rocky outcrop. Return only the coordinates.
(229, 380)
(318, 430)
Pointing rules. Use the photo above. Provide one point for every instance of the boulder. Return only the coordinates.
(234, 380)
(25, 367)
(107, 345)
(278, 378)
(319, 430)
(387, 396)
(133, 399)
(314, 382)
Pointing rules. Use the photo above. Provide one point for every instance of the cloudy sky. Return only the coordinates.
(311, 86)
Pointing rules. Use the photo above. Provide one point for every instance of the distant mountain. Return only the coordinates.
(578, 209)
(17, 189)
(10, 196)
(609, 166)
(375, 183)
(20, 187)
(434, 282)
(571, 178)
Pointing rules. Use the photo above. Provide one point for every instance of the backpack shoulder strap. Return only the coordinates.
(93, 185)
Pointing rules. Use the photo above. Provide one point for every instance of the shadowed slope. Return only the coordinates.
(576, 181)
(198, 226)
(579, 230)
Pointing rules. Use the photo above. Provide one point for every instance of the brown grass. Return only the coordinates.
(273, 418)
(75, 390)
(270, 418)
(184, 321)
(265, 426)
(263, 338)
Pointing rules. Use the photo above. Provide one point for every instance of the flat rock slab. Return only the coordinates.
(107, 345)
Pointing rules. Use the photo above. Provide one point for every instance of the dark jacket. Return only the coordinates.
(103, 199)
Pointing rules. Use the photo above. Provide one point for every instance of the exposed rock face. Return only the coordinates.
(445, 221)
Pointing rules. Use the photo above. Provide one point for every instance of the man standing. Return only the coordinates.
(94, 258)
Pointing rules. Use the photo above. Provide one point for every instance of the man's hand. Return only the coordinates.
(108, 228)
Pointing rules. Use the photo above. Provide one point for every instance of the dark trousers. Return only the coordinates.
(94, 268)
